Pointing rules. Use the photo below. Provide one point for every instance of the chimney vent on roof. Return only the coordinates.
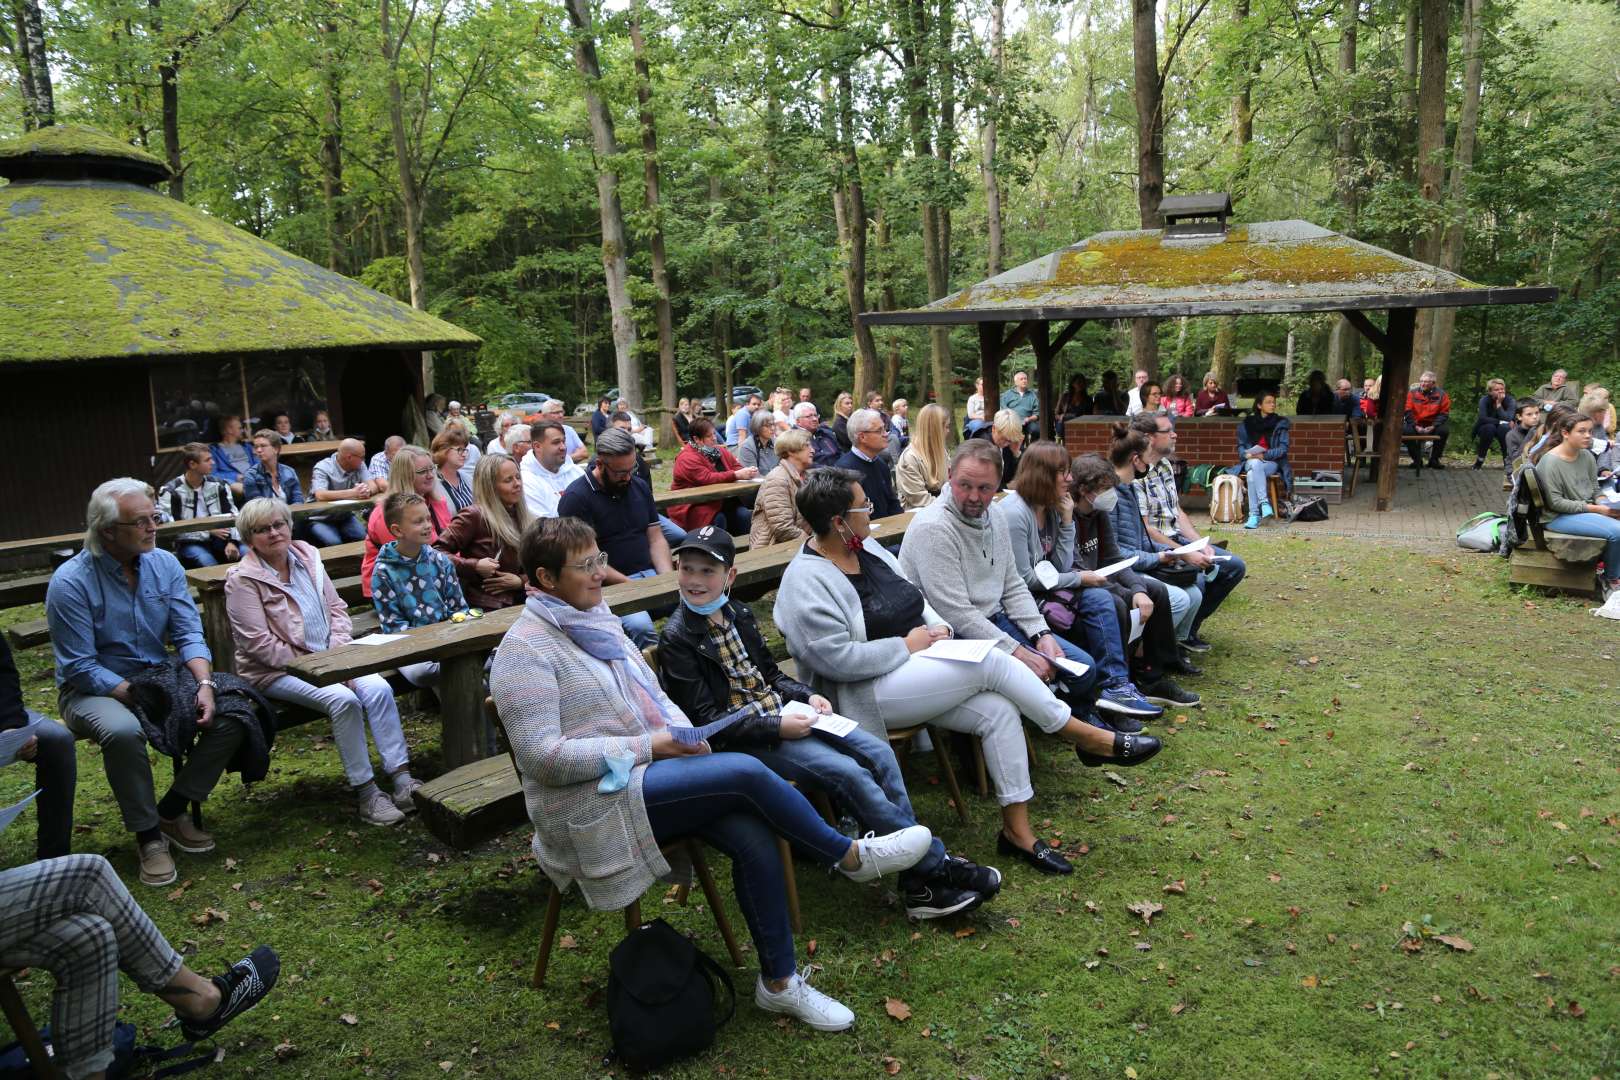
(1196, 215)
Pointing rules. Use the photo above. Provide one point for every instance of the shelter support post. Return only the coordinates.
(1040, 340)
(1397, 375)
(990, 365)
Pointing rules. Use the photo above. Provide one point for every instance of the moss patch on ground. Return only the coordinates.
(1396, 748)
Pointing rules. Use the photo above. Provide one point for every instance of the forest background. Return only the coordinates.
(675, 196)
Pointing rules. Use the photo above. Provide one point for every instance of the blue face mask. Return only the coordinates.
(706, 609)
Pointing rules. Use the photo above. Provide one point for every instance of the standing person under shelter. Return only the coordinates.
(112, 610)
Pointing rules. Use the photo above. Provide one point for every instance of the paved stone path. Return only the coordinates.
(1429, 508)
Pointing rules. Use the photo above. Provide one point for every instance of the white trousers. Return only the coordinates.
(419, 675)
(983, 699)
(371, 700)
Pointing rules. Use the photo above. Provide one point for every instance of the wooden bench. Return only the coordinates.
(1552, 560)
(11, 1003)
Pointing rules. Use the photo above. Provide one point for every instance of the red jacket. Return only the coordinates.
(692, 469)
(1423, 409)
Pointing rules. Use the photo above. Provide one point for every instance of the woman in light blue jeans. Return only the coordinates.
(1569, 486)
(1262, 440)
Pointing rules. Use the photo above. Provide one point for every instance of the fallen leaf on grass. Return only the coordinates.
(810, 949)
(1144, 946)
(568, 942)
(891, 1065)
(1560, 826)
(965, 932)
(553, 1026)
(285, 1050)
(349, 1018)
(375, 886)
(1176, 888)
(1460, 944)
(1130, 1073)
(1310, 982)
(1145, 908)
(898, 1009)
(1178, 1008)
(1114, 777)
(210, 916)
(1091, 965)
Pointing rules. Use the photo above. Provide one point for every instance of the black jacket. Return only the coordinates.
(689, 664)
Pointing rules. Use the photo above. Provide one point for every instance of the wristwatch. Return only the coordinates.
(205, 682)
(1038, 635)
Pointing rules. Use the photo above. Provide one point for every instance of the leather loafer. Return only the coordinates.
(1128, 750)
(1044, 858)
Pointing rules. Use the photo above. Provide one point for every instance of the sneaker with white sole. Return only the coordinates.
(243, 986)
(1611, 606)
(889, 854)
(184, 834)
(157, 865)
(1124, 699)
(804, 1003)
(378, 809)
(402, 795)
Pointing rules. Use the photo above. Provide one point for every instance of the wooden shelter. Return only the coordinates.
(130, 323)
(1200, 265)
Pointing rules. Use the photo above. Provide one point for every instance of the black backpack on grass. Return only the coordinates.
(661, 997)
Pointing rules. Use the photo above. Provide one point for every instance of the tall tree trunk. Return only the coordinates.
(615, 263)
(849, 208)
(1149, 158)
(660, 269)
(33, 66)
(886, 298)
(169, 94)
(987, 167)
(916, 51)
(1242, 136)
(410, 196)
(1344, 345)
(1222, 359)
(1431, 168)
(720, 320)
(1462, 162)
(1406, 143)
(331, 150)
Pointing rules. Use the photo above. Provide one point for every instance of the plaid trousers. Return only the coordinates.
(73, 917)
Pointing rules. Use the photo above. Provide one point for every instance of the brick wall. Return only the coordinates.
(1314, 442)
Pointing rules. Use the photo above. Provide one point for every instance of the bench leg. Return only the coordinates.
(790, 882)
(17, 1016)
(216, 622)
(467, 734)
(548, 933)
(700, 866)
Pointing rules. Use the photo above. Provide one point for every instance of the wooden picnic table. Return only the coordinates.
(74, 541)
(707, 493)
(460, 648)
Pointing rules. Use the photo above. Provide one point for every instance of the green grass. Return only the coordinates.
(1391, 737)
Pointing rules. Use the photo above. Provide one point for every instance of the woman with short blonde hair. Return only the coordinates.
(920, 474)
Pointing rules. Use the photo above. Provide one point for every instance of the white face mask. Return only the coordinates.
(1105, 501)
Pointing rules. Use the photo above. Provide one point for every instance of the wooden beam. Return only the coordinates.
(1397, 350)
(1359, 320)
(1066, 335)
(1014, 340)
(990, 357)
(1040, 341)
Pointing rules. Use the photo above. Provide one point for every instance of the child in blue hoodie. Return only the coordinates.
(412, 584)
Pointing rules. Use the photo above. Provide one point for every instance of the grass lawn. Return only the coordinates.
(1397, 751)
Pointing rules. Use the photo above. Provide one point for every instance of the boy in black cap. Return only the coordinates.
(714, 662)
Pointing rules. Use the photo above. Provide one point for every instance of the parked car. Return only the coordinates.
(587, 405)
(739, 395)
(523, 404)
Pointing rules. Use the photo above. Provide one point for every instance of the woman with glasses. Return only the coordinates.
(449, 456)
(411, 473)
(756, 450)
(269, 478)
(609, 779)
(283, 605)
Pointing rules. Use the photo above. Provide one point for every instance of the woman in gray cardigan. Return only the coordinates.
(607, 781)
(855, 625)
(758, 446)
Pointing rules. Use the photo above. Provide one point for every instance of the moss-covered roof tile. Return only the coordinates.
(74, 141)
(95, 269)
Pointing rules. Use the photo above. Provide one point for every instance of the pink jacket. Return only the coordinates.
(265, 620)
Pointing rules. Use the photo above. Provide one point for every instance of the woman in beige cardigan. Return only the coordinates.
(608, 778)
(776, 514)
(922, 467)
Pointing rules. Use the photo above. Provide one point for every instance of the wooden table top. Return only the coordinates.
(444, 640)
(706, 493)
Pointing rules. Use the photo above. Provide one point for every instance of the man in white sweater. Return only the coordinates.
(965, 568)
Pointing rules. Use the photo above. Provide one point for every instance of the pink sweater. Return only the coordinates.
(265, 621)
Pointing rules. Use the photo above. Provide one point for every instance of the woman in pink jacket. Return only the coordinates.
(410, 473)
(282, 605)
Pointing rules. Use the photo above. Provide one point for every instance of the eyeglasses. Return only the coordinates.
(150, 521)
(867, 509)
(591, 565)
(277, 525)
(425, 472)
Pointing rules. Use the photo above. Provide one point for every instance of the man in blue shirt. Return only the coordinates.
(112, 610)
(823, 443)
(1022, 400)
(869, 438)
(619, 505)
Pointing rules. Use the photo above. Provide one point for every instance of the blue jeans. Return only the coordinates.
(638, 627)
(860, 772)
(735, 520)
(673, 533)
(195, 554)
(344, 530)
(1216, 589)
(1079, 691)
(1604, 528)
(735, 804)
(1255, 471)
(1096, 622)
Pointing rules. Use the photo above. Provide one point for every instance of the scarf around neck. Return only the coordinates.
(599, 634)
(1258, 427)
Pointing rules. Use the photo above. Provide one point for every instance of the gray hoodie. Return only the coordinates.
(966, 570)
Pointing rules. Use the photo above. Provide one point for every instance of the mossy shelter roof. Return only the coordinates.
(95, 264)
(1266, 267)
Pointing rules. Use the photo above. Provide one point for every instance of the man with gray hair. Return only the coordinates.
(869, 440)
(574, 446)
(335, 479)
(112, 610)
(1558, 390)
(377, 469)
(516, 440)
(823, 443)
(1428, 412)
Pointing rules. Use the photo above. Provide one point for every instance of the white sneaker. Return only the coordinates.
(803, 1002)
(889, 854)
(402, 795)
(1611, 606)
(378, 809)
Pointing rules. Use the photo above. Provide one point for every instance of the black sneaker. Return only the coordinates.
(936, 898)
(1196, 643)
(965, 874)
(240, 988)
(1167, 692)
(1182, 665)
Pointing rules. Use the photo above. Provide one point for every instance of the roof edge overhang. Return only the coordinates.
(1485, 297)
(180, 355)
